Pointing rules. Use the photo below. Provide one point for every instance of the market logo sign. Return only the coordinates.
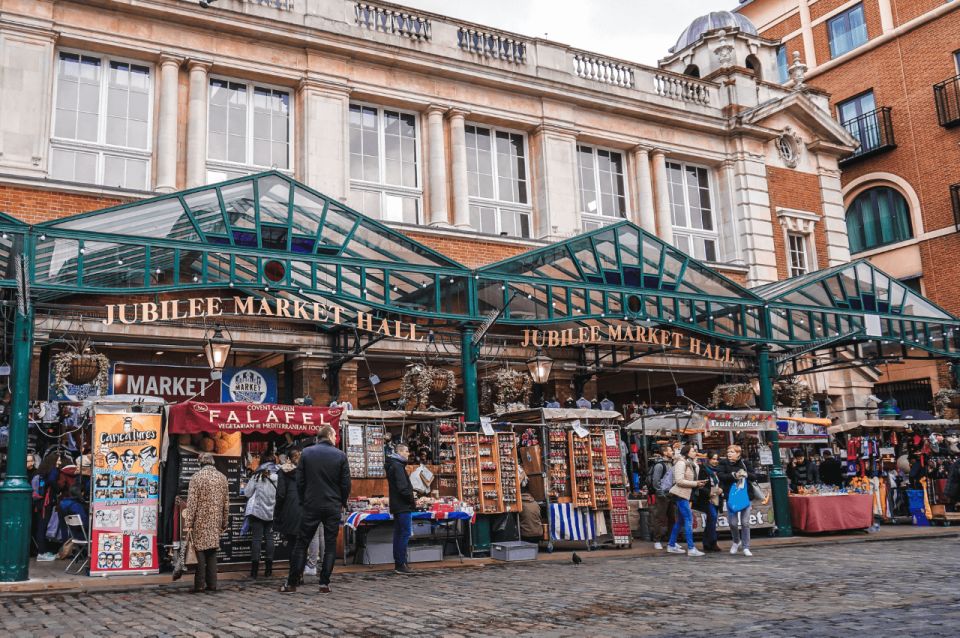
(628, 335)
(171, 383)
(249, 385)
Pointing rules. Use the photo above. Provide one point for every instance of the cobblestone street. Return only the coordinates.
(879, 589)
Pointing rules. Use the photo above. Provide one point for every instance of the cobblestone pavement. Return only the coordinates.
(879, 589)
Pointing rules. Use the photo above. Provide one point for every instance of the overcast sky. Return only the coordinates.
(635, 30)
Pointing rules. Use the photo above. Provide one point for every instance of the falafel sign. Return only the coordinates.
(125, 493)
(192, 417)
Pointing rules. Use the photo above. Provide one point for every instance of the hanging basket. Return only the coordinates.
(83, 369)
(734, 395)
(439, 383)
(77, 368)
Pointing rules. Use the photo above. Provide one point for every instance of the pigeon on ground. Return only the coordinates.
(576, 559)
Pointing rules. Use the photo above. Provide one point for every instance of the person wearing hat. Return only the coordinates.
(205, 518)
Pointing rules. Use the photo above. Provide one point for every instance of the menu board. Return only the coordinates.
(125, 494)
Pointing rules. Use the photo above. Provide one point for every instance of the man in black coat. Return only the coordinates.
(323, 485)
(402, 503)
(953, 485)
(831, 472)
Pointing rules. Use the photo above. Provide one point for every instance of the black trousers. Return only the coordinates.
(261, 531)
(206, 575)
(309, 522)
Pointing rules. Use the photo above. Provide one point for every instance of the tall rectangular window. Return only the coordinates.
(101, 121)
(248, 129)
(603, 197)
(847, 31)
(497, 181)
(385, 164)
(859, 116)
(691, 205)
(797, 252)
(783, 65)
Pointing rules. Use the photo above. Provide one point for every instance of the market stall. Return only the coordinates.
(831, 512)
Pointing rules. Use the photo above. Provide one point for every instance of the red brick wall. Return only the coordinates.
(469, 252)
(33, 205)
(821, 8)
(798, 191)
(821, 41)
(782, 28)
(907, 10)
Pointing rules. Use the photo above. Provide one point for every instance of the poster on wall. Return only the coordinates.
(249, 385)
(171, 383)
(125, 494)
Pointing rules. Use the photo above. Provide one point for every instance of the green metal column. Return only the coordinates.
(15, 490)
(778, 480)
(468, 358)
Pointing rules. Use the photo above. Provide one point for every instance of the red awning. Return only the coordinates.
(191, 417)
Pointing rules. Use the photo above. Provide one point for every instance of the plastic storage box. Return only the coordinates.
(424, 553)
(513, 551)
(378, 553)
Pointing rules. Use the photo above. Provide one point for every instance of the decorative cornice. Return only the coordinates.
(797, 221)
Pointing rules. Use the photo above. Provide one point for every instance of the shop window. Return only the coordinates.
(248, 129)
(101, 121)
(799, 258)
(783, 66)
(691, 205)
(878, 217)
(497, 181)
(384, 163)
(847, 31)
(603, 197)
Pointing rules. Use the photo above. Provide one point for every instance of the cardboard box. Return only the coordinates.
(536, 487)
(531, 458)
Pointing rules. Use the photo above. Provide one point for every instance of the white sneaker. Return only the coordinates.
(734, 547)
(658, 545)
(674, 549)
(46, 557)
(309, 571)
(695, 552)
(747, 552)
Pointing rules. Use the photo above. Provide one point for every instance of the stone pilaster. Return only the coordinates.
(197, 123)
(167, 124)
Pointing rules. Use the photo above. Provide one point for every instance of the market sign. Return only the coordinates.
(193, 417)
(249, 385)
(625, 334)
(735, 420)
(171, 383)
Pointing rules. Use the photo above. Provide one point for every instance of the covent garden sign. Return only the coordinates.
(317, 312)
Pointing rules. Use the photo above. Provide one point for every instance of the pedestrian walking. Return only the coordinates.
(261, 493)
(732, 469)
(403, 502)
(205, 518)
(707, 500)
(659, 482)
(684, 482)
(288, 512)
(323, 485)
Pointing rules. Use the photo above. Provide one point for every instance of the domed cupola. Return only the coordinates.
(711, 22)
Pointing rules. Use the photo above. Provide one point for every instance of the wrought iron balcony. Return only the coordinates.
(947, 96)
(955, 199)
(874, 131)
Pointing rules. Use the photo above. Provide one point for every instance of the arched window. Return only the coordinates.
(753, 63)
(877, 217)
(692, 70)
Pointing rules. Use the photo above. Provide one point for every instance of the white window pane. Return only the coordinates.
(137, 134)
(66, 124)
(114, 171)
(217, 148)
(281, 155)
(261, 152)
(62, 164)
(392, 208)
(87, 127)
(136, 174)
(356, 166)
(116, 131)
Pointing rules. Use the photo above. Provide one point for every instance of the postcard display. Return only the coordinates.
(125, 494)
(365, 450)
(488, 471)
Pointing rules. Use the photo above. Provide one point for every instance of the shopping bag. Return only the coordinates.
(757, 493)
(739, 498)
(180, 558)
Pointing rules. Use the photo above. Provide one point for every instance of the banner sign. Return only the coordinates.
(761, 514)
(188, 418)
(736, 421)
(125, 494)
(171, 383)
(248, 385)
(71, 391)
(802, 432)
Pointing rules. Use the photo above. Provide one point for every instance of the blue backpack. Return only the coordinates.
(739, 498)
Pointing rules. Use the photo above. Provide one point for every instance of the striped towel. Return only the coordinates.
(569, 523)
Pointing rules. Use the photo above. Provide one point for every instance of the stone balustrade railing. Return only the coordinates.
(603, 70)
(681, 88)
(386, 20)
(490, 44)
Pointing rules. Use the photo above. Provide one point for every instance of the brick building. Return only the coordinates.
(891, 70)
(478, 143)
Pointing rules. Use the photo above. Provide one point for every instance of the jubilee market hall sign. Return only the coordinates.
(203, 307)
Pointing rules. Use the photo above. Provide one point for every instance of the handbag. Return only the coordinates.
(180, 558)
(756, 492)
(739, 499)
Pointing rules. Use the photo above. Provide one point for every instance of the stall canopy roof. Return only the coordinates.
(271, 236)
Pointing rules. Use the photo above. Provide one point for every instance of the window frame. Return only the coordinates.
(696, 232)
(249, 168)
(600, 219)
(100, 147)
(497, 204)
(882, 246)
(804, 241)
(382, 188)
(783, 70)
(845, 15)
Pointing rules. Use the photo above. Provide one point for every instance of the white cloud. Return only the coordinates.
(634, 30)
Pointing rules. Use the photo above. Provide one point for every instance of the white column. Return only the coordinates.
(458, 148)
(834, 211)
(806, 28)
(324, 154)
(886, 15)
(167, 124)
(664, 217)
(437, 166)
(197, 124)
(556, 199)
(646, 216)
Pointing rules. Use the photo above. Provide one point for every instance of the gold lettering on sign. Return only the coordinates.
(243, 306)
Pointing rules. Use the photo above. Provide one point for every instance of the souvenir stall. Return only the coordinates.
(236, 434)
(578, 473)
(368, 436)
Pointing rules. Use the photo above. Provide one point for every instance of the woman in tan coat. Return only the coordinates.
(205, 519)
(684, 482)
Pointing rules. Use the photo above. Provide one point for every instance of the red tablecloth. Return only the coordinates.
(831, 513)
